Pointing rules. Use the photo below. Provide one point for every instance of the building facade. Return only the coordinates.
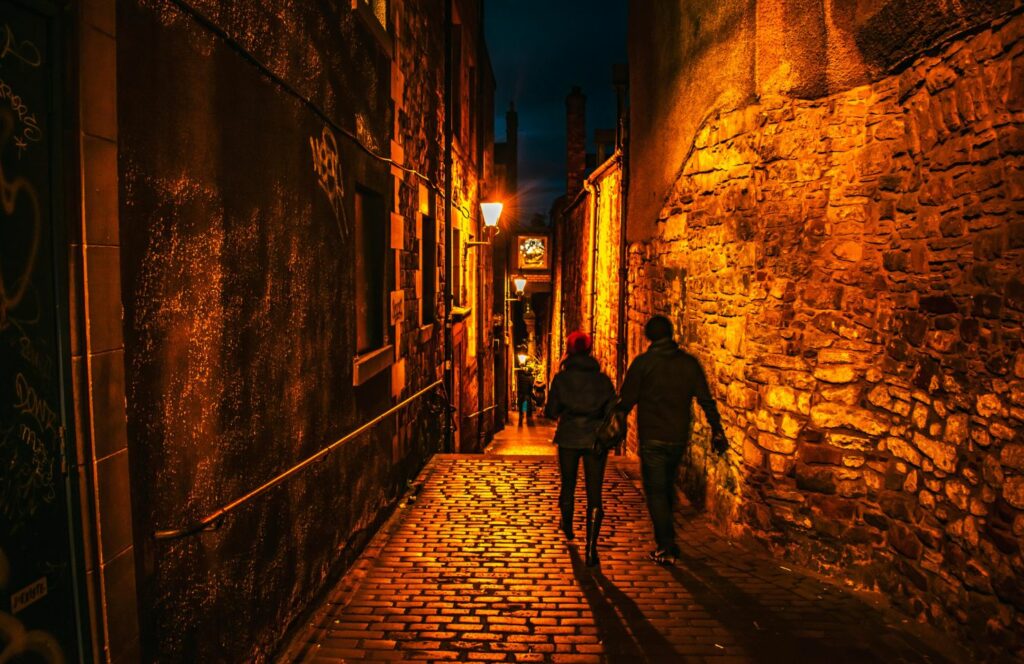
(247, 223)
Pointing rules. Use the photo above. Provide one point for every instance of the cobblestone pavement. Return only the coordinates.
(474, 569)
(530, 439)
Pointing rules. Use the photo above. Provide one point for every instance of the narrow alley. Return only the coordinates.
(472, 567)
(310, 309)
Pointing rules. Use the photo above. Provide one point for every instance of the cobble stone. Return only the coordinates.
(475, 569)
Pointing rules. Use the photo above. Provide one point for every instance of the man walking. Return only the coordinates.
(662, 382)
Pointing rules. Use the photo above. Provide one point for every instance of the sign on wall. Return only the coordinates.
(532, 252)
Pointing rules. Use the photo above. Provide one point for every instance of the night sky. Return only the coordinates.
(540, 49)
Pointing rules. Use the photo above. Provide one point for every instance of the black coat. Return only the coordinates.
(579, 398)
(662, 383)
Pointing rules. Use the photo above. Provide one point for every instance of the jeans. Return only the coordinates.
(659, 464)
(593, 475)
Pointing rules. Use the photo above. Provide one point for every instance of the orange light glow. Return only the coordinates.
(492, 212)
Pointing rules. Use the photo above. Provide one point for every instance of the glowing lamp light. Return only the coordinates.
(520, 283)
(492, 212)
(522, 358)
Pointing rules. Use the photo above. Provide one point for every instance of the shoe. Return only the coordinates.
(664, 556)
(594, 517)
(565, 523)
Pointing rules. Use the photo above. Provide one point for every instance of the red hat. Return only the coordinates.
(578, 342)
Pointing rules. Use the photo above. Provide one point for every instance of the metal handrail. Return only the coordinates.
(213, 520)
(481, 412)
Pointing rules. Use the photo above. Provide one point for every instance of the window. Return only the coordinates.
(371, 270)
(428, 270)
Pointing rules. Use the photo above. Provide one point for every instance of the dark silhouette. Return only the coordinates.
(524, 395)
(579, 397)
(662, 382)
(627, 635)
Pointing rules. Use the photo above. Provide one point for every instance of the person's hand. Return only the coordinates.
(719, 443)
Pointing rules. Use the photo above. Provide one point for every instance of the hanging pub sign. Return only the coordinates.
(532, 252)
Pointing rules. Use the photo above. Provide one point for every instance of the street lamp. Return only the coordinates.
(491, 213)
(519, 281)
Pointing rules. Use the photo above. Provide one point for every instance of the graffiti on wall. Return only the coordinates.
(327, 167)
(15, 192)
(24, 53)
(16, 641)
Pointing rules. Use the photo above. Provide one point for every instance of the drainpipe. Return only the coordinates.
(621, 346)
(621, 77)
(594, 191)
(449, 235)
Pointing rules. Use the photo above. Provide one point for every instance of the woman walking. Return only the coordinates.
(579, 397)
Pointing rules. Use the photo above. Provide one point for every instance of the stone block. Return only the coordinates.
(107, 392)
(121, 604)
(776, 444)
(903, 450)
(99, 83)
(114, 504)
(835, 373)
(1013, 491)
(904, 541)
(103, 284)
(1012, 456)
(816, 479)
(898, 506)
(820, 454)
(779, 397)
(956, 428)
(988, 405)
(943, 455)
(839, 416)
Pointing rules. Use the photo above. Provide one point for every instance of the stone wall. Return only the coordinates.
(850, 270)
(237, 210)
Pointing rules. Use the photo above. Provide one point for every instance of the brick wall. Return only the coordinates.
(848, 268)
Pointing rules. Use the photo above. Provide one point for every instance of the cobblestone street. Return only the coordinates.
(474, 569)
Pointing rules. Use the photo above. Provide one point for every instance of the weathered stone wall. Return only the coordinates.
(692, 59)
(237, 211)
(850, 270)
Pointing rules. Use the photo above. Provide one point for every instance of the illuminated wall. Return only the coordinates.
(587, 266)
(836, 235)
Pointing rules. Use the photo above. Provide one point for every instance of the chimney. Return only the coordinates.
(576, 140)
(620, 81)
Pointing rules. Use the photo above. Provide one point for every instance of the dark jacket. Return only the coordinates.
(662, 383)
(524, 384)
(579, 398)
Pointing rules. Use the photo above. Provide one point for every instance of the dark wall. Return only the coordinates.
(238, 290)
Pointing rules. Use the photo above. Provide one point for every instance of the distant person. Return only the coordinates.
(524, 394)
(539, 393)
(579, 398)
(662, 383)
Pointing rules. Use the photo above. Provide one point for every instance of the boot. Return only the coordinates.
(566, 521)
(594, 517)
